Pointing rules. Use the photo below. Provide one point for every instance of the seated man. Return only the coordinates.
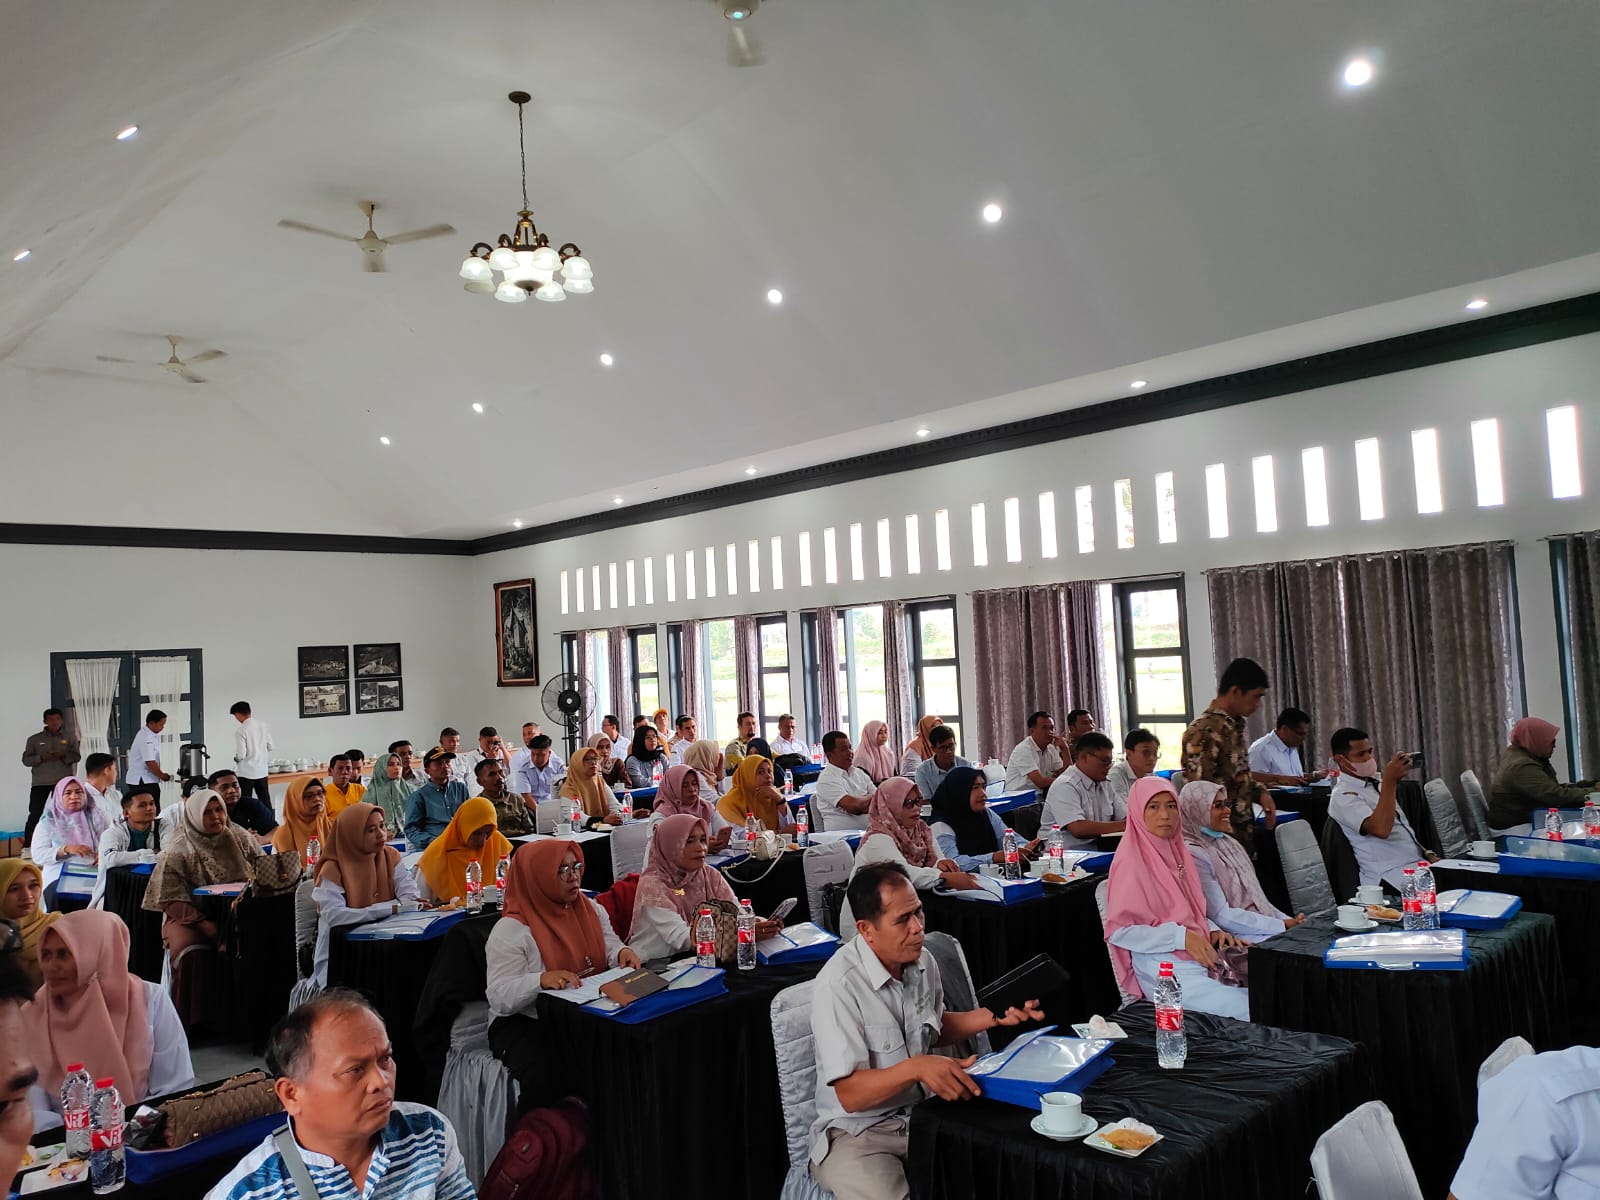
(346, 1134)
(100, 773)
(17, 1070)
(1275, 758)
(1079, 722)
(431, 806)
(535, 772)
(735, 750)
(1140, 750)
(786, 742)
(244, 811)
(341, 788)
(411, 771)
(134, 837)
(844, 790)
(512, 816)
(490, 745)
(678, 744)
(877, 1009)
(1081, 800)
(930, 772)
(1037, 760)
(1365, 806)
(1538, 1130)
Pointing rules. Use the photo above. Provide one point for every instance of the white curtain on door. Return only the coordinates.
(165, 680)
(93, 682)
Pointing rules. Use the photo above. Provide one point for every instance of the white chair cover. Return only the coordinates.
(1100, 903)
(1506, 1053)
(544, 816)
(476, 1093)
(797, 1087)
(960, 994)
(1447, 820)
(305, 921)
(825, 864)
(1363, 1158)
(628, 844)
(1305, 874)
(1477, 806)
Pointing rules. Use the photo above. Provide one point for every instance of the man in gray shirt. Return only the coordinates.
(1081, 801)
(877, 1009)
(930, 772)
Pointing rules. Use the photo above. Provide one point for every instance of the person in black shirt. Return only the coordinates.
(245, 811)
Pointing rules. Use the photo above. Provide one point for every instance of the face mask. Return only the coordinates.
(1210, 832)
(1366, 770)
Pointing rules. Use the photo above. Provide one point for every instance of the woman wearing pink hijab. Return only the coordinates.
(1156, 910)
(684, 791)
(873, 754)
(1524, 781)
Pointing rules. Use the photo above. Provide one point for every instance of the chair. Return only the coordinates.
(1028, 819)
(628, 844)
(1477, 806)
(617, 903)
(546, 813)
(1100, 903)
(1339, 859)
(305, 928)
(1363, 1158)
(1506, 1053)
(797, 1087)
(959, 993)
(477, 1094)
(1304, 873)
(1447, 820)
(823, 865)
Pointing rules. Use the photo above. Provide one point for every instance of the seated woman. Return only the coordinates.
(707, 759)
(359, 879)
(682, 791)
(965, 829)
(471, 836)
(919, 748)
(92, 1010)
(1156, 911)
(305, 816)
(897, 833)
(1524, 780)
(208, 850)
(583, 784)
(612, 770)
(873, 754)
(21, 888)
(390, 792)
(551, 935)
(69, 829)
(643, 758)
(675, 883)
(752, 792)
(1233, 895)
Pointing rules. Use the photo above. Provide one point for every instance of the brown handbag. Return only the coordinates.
(726, 914)
(226, 1106)
(274, 873)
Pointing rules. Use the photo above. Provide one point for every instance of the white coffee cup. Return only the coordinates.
(1481, 849)
(1062, 1111)
(1352, 914)
(409, 906)
(1040, 866)
(1370, 893)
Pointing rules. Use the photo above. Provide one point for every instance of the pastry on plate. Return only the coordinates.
(1130, 1140)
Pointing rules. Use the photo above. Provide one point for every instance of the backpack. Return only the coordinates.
(545, 1157)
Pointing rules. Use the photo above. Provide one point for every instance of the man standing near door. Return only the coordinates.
(252, 742)
(144, 758)
(50, 753)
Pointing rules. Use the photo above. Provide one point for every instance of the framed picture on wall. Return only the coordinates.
(320, 663)
(515, 635)
(377, 659)
(325, 699)
(379, 695)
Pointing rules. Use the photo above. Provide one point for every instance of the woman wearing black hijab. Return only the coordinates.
(965, 828)
(645, 758)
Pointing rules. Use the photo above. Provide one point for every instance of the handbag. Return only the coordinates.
(726, 914)
(230, 1104)
(274, 873)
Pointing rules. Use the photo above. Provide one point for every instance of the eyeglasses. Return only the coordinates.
(570, 870)
(915, 802)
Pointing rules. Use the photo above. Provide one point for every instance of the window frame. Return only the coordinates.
(634, 674)
(763, 718)
(1122, 591)
(918, 660)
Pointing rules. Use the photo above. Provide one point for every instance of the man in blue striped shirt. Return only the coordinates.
(346, 1136)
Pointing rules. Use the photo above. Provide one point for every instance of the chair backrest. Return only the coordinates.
(1506, 1053)
(825, 864)
(959, 993)
(797, 1068)
(628, 844)
(1477, 807)
(1344, 873)
(1447, 820)
(1027, 820)
(1363, 1158)
(617, 901)
(1100, 890)
(305, 924)
(545, 814)
(1304, 872)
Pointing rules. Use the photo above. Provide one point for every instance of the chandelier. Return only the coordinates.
(526, 264)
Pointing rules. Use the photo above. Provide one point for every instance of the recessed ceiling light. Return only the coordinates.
(1139, 383)
(384, 440)
(1358, 72)
(774, 296)
(992, 213)
(477, 407)
(616, 499)
(606, 360)
(1477, 304)
(516, 524)
(126, 133)
(20, 255)
(749, 470)
(923, 431)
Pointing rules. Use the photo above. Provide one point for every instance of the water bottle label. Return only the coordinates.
(747, 937)
(705, 949)
(109, 1138)
(75, 1119)
(1169, 1020)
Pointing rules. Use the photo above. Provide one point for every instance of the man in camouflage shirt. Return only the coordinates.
(1214, 746)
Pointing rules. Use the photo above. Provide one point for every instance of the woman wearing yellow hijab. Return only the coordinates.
(472, 836)
(20, 886)
(305, 816)
(584, 784)
(752, 792)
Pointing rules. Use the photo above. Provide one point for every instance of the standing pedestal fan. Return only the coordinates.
(569, 701)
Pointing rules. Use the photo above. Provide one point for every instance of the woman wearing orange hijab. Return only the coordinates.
(91, 1010)
(305, 816)
(919, 748)
(358, 879)
(472, 836)
(752, 792)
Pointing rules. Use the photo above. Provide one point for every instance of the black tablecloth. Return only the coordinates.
(768, 884)
(1428, 1031)
(663, 1084)
(596, 862)
(1064, 923)
(1238, 1121)
(265, 970)
(1575, 904)
(125, 897)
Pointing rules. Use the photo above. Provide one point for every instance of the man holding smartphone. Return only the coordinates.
(1365, 803)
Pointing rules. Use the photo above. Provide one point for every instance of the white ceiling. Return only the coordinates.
(1186, 185)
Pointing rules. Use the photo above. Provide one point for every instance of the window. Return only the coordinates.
(600, 668)
(913, 546)
(885, 550)
(649, 581)
(1217, 499)
(777, 563)
(1314, 472)
(721, 674)
(804, 550)
(1369, 479)
(753, 579)
(1266, 494)
(581, 574)
(980, 536)
(672, 578)
(733, 570)
(611, 573)
(935, 676)
(563, 593)
(858, 566)
(1084, 499)
(773, 636)
(1561, 427)
(122, 686)
(830, 557)
(941, 539)
(1425, 461)
(711, 573)
(861, 693)
(1166, 509)
(630, 583)
(1486, 463)
(594, 590)
(688, 575)
(646, 673)
(1013, 519)
(1124, 490)
(1047, 524)
(1153, 652)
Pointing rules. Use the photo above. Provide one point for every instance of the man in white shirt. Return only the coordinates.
(786, 742)
(1081, 801)
(687, 732)
(1538, 1131)
(490, 745)
(450, 743)
(1036, 762)
(1365, 805)
(930, 772)
(252, 742)
(844, 790)
(609, 725)
(1275, 758)
(135, 836)
(144, 757)
(410, 764)
(536, 772)
(1140, 750)
(100, 773)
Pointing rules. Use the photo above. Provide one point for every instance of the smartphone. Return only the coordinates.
(783, 910)
(1418, 762)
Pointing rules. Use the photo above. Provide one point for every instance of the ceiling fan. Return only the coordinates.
(372, 246)
(743, 49)
(178, 366)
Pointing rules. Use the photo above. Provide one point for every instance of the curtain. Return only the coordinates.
(583, 668)
(1084, 674)
(827, 670)
(621, 699)
(164, 679)
(747, 664)
(896, 674)
(93, 683)
(694, 687)
(1578, 603)
(999, 632)
(1247, 614)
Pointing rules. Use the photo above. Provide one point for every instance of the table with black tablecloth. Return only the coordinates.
(125, 889)
(261, 944)
(767, 884)
(1063, 923)
(597, 869)
(1237, 1122)
(688, 1102)
(1428, 1031)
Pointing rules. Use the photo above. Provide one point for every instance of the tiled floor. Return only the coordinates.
(218, 1060)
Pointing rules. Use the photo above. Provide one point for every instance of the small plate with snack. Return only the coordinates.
(1126, 1138)
(63, 1172)
(34, 1157)
(1383, 914)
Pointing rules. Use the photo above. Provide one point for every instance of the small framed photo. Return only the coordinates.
(379, 695)
(325, 699)
(377, 660)
(319, 663)
(515, 634)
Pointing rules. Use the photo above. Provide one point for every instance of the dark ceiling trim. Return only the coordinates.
(1425, 348)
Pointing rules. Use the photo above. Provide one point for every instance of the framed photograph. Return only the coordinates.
(515, 635)
(379, 695)
(319, 663)
(325, 699)
(377, 659)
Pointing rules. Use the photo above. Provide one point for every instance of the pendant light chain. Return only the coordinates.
(522, 144)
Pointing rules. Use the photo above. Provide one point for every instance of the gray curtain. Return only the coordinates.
(617, 670)
(747, 664)
(1247, 608)
(1578, 559)
(827, 670)
(896, 674)
(1083, 646)
(999, 639)
(694, 686)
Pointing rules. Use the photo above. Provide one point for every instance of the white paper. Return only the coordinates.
(824, 837)
(794, 937)
(588, 989)
(1470, 864)
(406, 922)
(587, 835)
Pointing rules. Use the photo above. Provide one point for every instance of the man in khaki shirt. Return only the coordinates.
(50, 754)
(1214, 749)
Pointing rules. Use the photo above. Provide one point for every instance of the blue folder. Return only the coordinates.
(149, 1166)
(1540, 856)
(1465, 908)
(1036, 1063)
(806, 942)
(696, 984)
(1400, 950)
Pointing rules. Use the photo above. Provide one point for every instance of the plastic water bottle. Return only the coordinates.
(575, 817)
(106, 1171)
(705, 939)
(788, 783)
(1013, 857)
(474, 887)
(627, 804)
(655, 773)
(802, 826)
(752, 830)
(816, 752)
(1552, 825)
(77, 1089)
(747, 936)
(1172, 1046)
(313, 852)
(1591, 820)
(1410, 902)
(501, 870)
(1427, 898)
(1058, 850)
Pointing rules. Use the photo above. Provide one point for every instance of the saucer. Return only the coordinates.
(1086, 1126)
(1362, 928)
